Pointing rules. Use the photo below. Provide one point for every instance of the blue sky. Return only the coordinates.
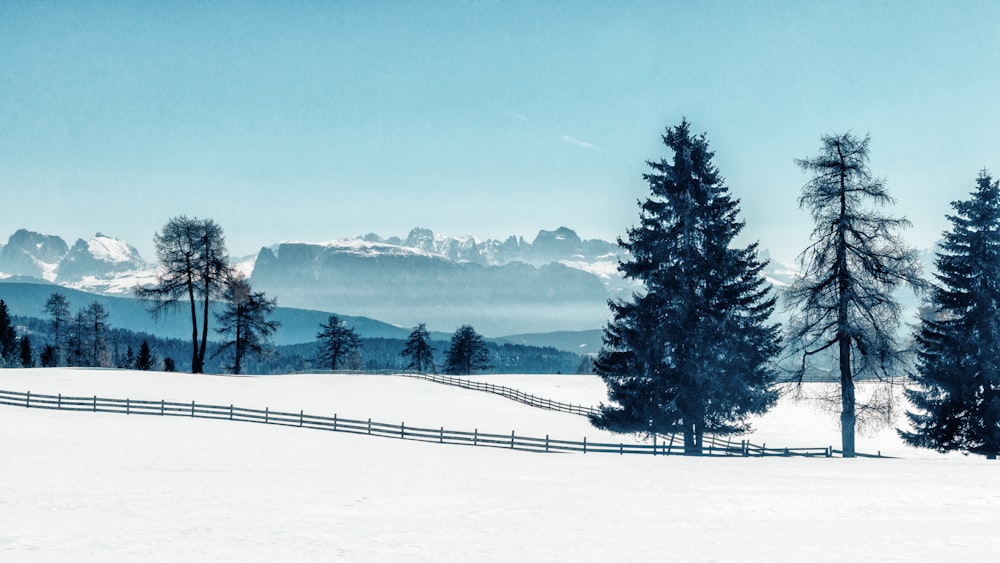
(318, 120)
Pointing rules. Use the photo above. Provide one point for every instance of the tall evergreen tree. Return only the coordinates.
(336, 342)
(128, 362)
(244, 321)
(144, 361)
(957, 391)
(419, 350)
(27, 352)
(8, 337)
(97, 354)
(694, 352)
(48, 356)
(57, 307)
(856, 261)
(76, 354)
(194, 266)
(467, 353)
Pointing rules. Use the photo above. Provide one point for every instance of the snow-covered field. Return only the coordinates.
(109, 487)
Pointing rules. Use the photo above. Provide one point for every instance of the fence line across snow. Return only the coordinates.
(713, 445)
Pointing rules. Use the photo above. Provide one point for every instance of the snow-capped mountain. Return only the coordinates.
(101, 264)
(556, 282)
(32, 254)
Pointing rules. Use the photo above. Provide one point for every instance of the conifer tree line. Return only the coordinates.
(142, 351)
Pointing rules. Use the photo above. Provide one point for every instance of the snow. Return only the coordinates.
(118, 283)
(109, 487)
(108, 249)
(367, 248)
(606, 269)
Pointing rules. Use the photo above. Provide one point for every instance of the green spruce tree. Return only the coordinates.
(693, 352)
(957, 391)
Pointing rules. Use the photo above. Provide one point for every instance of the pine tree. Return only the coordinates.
(129, 361)
(77, 341)
(419, 350)
(57, 307)
(8, 337)
(957, 391)
(48, 356)
(244, 321)
(144, 361)
(694, 352)
(97, 354)
(850, 271)
(27, 352)
(467, 353)
(336, 342)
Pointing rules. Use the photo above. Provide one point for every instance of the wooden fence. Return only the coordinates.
(508, 392)
(713, 445)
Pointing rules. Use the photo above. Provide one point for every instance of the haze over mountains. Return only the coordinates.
(557, 282)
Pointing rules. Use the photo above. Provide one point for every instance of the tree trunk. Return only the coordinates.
(195, 364)
(238, 347)
(692, 440)
(848, 418)
(204, 331)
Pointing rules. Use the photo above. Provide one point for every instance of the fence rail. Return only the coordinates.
(712, 446)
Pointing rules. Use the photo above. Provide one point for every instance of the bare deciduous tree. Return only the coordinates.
(194, 266)
(844, 298)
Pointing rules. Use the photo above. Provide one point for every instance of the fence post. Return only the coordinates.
(27, 400)
(301, 416)
(128, 406)
(475, 437)
(59, 402)
(654, 444)
(266, 414)
(192, 409)
(512, 439)
(441, 436)
(95, 403)
(402, 429)
(546, 442)
(162, 404)
(621, 448)
(584, 444)
(230, 411)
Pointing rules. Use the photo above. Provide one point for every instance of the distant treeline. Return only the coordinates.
(376, 353)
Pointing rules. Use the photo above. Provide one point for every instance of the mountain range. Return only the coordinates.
(556, 282)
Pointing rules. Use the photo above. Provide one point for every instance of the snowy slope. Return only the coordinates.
(106, 487)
